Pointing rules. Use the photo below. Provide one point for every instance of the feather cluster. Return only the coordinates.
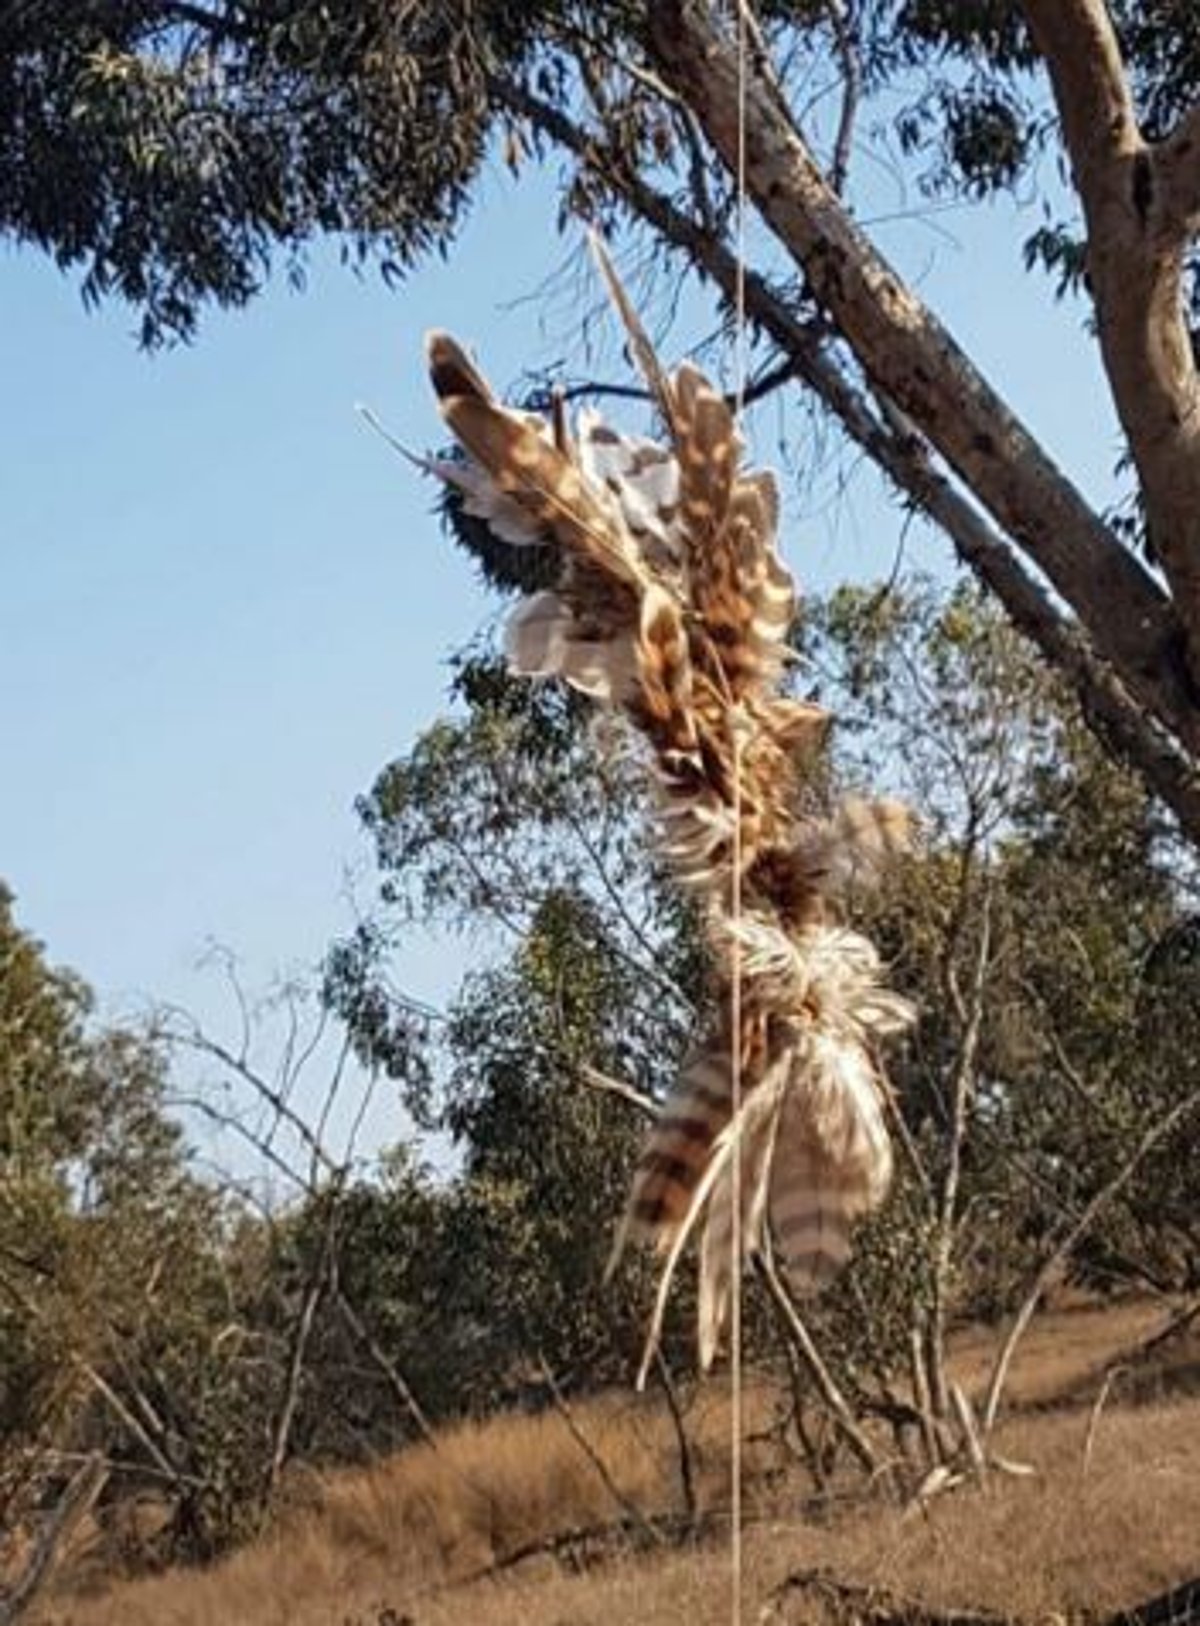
(673, 607)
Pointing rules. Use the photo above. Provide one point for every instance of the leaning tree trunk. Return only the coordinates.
(924, 412)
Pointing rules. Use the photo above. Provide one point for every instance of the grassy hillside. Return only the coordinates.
(515, 1523)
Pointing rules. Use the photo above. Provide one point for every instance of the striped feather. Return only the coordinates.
(664, 702)
(841, 1091)
(643, 351)
(527, 467)
(752, 1140)
(678, 1149)
(707, 446)
(811, 1210)
(832, 1161)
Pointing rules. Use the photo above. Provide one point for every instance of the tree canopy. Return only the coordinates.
(173, 151)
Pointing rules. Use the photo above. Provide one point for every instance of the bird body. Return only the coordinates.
(672, 605)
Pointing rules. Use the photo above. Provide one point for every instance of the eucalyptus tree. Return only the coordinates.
(173, 150)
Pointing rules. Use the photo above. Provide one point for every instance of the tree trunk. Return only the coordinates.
(913, 363)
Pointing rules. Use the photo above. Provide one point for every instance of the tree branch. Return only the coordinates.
(607, 1085)
(847, 48)
(73, 1505)
(391, 1372)
(802, 1341)
(1152, 1137)
(913, 360)
(892, 442)
(962, 1091)
(321, 1276)
(1078, 41)
(1177, 162)
(626, 1503)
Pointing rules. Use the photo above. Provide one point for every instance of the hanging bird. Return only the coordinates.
(673, 607)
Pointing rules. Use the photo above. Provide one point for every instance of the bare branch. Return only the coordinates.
(225, 1119)
(1110, 1375)
(319, 1280)
(1152, 1137)
(685, 122)
(73, 1505)
(962, 1089)
(123, 1415)
(922, 1399)
(848, 53)
(802, 1340)
(626, 1503)
(767, 382)
(607, 1085)
(181, 1029)
(970, 1431)
(687, 1472)
(391, 1372)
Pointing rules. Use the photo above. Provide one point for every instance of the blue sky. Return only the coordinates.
(225, 605)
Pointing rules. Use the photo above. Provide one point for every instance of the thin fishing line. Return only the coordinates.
(735, 902)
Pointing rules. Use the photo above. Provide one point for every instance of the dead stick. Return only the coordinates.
(585, 1445)
(73, 1505)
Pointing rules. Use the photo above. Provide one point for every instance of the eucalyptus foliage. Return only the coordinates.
(171, 152)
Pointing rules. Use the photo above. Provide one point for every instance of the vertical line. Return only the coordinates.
(735, 1230)
(735, 901)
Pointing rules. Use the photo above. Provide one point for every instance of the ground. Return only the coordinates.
(510, 1523)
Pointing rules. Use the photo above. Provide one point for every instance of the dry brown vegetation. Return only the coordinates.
(485, 1528)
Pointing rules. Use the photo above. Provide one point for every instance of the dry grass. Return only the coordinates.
(1062, 1352)
(1060, 1545)
(408, 1540)
(426, 1517)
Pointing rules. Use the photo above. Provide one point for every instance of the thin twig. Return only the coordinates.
(1094, 1416)
(73, 1505)
(835, 1400)
(970, 1431)
(1158, 1132)
(625, 1503)
(391, 1372)
(687, 1476)
(920, 1387)
(847, 47)
(315, 1288)
(962, 1091)
(604, 1082)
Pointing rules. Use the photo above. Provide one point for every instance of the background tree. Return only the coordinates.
(172, 150)
(1022, 929)
(197, 1337)
(519, 826)
(102, 1234)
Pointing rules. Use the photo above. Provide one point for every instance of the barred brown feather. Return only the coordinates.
(832, 1164)
(678, 1147)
